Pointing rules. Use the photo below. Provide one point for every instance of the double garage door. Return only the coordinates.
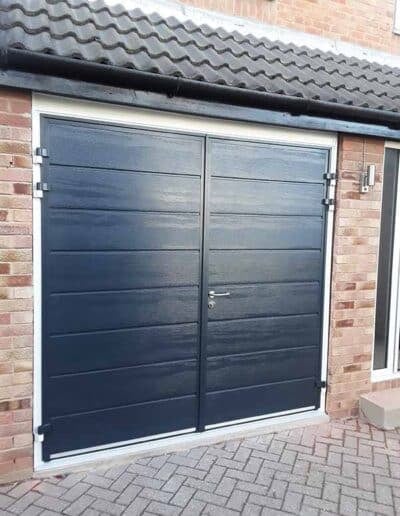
(182, 282)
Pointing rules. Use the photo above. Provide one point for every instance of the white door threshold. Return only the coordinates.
(176, 443)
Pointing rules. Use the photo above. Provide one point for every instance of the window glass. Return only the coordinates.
(385, 258)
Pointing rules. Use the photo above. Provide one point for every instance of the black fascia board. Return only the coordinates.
(82, 79)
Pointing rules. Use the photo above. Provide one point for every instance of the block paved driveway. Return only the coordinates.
(345, 467)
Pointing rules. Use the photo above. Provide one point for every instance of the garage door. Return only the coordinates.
(266, 241)
(139, 229)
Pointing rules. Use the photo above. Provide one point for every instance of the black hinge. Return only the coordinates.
(330, 177)
(328, 202)
(42, 152)
(44, 429)
(42, 187)
(320, 384)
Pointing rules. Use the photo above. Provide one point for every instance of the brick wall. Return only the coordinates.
(355, 255)
(15, 285)
(364, 22)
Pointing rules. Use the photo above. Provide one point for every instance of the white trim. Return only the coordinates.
(246, 26)
(383, 375)
(396, 19)
(392, 145)
(37, 293)
(85, 110)
(152, 119)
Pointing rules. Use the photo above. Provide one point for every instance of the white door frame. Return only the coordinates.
(152, 119)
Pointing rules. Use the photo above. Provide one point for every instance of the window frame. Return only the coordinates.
(392, 371)
(396, 17)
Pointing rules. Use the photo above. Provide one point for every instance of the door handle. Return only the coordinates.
(213, 294)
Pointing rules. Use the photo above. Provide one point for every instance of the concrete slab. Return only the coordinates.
(382, 408)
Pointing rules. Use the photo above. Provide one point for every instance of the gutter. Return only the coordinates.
(172, 86)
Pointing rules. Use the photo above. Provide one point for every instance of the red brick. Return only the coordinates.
(353, 291)
(4, 268)
(22, 188)
(15, 290)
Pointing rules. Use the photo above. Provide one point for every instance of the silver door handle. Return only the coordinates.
(213, 294)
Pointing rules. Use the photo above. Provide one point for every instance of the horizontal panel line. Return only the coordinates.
(116, 210)
(125, 405)
(258, 283)
(262, 180)
(270, 250)
(115, 291)
(261, 317)
(127, 170)
(142, 251)
(247, 387)
(265, 249)
(311, 314)
(266, 215)
(276, 216)
(58, 251)
(262, 352)
(121, 368)
(126, 329)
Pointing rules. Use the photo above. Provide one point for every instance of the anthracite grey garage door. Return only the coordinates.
(138, 227)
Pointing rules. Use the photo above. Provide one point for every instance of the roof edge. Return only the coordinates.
(178, 87)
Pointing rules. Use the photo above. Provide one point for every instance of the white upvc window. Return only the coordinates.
(387, 324)
(396, 22)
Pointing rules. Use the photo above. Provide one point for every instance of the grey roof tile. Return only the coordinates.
(93, 31)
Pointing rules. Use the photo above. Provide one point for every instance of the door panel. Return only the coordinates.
(92, 146)
(244, 370)
(266, 300)
(264, 266)
(94, 230)
(151, 344)
(93, 311)
(85, 189)
(275, 162)
(266, 249)
(264, 232)
(235, 196)
(121, 386)
(248, 402)
(121, 269)
(140, 420)
(262, 334)
(100, 270)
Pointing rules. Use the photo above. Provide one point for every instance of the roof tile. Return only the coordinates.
(97, 32)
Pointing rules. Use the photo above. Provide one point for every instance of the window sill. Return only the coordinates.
(383, 375)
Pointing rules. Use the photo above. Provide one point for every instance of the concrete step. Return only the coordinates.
(382, 408)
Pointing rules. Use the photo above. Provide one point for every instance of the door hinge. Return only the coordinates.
(321, 384)
(43, 187)
(40, 153)
(42, 430)
(328, 202)
(40, 188)
(330, 176)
